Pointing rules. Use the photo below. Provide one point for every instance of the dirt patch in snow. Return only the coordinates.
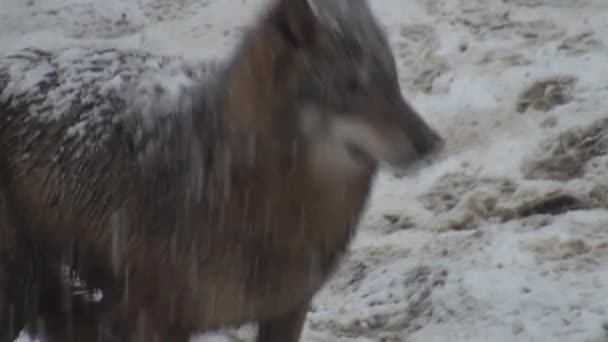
(416, 50)
(580, 44)
(463, 201)
(450, 189)
(566, 156)
(547, 94)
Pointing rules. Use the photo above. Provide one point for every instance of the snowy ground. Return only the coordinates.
(506, 237)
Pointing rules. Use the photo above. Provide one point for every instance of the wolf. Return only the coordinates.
(195, 196)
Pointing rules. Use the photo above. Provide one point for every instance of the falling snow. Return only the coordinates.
(487, 244)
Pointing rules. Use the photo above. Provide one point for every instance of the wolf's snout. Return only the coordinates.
(427, 142)
(424, 144)
(422, 139)
(414, 139)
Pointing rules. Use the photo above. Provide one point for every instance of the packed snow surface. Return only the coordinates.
(505, 238)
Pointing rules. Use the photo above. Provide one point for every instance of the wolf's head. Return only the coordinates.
(349, 104)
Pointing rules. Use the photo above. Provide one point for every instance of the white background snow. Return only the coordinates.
(503, 239)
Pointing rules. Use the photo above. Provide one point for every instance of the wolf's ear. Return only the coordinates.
(296, 21)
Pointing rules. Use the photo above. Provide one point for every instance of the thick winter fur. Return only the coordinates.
(196, 197)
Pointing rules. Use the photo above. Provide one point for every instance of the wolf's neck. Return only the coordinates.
(266, 182)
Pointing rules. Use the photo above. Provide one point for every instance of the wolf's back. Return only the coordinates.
(85, 92)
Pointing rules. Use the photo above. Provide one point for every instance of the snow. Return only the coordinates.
(472, 248)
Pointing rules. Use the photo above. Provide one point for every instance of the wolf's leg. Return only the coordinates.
(70, 316)
(17, 274)
(14, 274)
(285, 328)
(83, 323)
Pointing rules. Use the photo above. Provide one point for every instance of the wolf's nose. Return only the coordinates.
(428, 142)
